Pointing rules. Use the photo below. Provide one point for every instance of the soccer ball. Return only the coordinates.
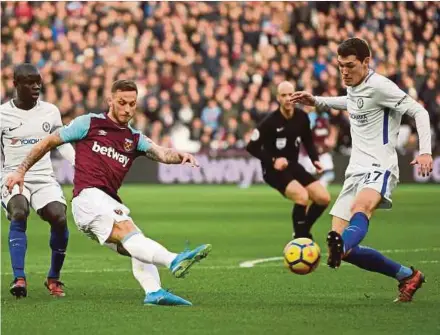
(302, 255)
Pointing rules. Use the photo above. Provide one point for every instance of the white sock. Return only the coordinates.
(147, 275)
(147, 250)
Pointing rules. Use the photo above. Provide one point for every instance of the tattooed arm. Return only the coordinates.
(169, 156)
(37, 152)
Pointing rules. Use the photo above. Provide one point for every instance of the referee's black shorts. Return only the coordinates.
(280, 179)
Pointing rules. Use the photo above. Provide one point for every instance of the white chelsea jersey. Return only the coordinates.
(21, 129)
(376, 107)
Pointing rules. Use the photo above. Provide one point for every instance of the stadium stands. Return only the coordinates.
(207, 71)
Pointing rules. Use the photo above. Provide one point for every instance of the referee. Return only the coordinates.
(275, 142)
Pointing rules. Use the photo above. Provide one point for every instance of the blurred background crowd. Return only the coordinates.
(207, 72)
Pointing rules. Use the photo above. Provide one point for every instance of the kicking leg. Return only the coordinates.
(148, 277)
(299, 195)
(55, 214)
(146, 274)
(149, 251)
(18, 212)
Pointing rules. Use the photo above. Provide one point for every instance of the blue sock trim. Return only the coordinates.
(129, 235)
(404, 272)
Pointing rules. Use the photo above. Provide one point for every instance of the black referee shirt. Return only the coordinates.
(277, 136)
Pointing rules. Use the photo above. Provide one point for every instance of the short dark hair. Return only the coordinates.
(124, 86)
(24, 69)
(354, 46)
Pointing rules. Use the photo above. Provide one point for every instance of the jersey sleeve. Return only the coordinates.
(76, 130)
(256, 144)
(339, 103)
(389, 95)
(144, 143)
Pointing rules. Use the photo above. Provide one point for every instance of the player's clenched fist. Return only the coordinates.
(280, 163)
(190, 159)
(14, 178)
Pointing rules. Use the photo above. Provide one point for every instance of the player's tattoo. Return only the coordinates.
(39, 150)
(163, 155)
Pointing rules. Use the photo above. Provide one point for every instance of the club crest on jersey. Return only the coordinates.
(46, 126)
(118, 211)
(128, 145)
(360, 103)
(281, 143)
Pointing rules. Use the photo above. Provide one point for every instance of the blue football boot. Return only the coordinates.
(183, 261)
(164, 298)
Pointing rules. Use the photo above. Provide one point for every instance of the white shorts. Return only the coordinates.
(38, 190)
(378, 179)
(95, 212)
(326, 160)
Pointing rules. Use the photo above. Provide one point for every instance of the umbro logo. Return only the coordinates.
(14, 128)
(102, 132)
(280, 129)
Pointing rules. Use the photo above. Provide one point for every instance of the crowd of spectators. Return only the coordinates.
(207, 72)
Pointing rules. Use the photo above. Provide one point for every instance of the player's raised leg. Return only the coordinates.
(299, 195)
(55, 214)
(18, 212)
(149, 251)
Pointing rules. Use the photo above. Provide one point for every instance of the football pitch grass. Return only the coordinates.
(242, 224)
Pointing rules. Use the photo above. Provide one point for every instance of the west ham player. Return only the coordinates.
(276, 143)
(26, 120)
(106, 146)
(376, 106)
(324, 137)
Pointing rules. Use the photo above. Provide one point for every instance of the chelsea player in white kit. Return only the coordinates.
(375, 105)
(25, 120)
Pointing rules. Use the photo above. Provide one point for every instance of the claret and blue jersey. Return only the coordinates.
(104, 152)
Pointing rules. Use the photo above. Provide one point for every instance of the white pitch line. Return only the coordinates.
(252, 263)
(128, 270)
(215, 267)
(247, 264)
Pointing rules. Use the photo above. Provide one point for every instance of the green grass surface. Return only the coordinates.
(241, 224)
